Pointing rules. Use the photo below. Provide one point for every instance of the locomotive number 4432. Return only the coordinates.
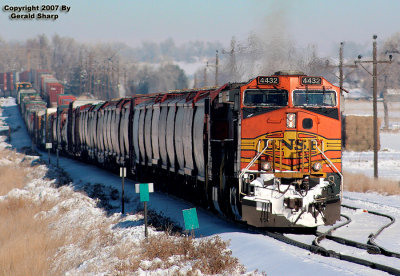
(311, 80)
(267, 80)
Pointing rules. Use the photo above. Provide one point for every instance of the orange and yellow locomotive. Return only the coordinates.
(290, 151)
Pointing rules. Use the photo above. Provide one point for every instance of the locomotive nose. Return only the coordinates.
(306, 122)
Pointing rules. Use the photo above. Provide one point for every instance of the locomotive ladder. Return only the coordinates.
(251, 164)
(333, 166)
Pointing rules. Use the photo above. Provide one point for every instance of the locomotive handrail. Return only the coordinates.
(330, 162)
(251, 164)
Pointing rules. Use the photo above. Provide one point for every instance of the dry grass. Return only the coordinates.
(128, 255)
(361, 183)
(208, 255)
(26, 246)
(11, 175)
(11, 155)
(10, 178)
(47, 245)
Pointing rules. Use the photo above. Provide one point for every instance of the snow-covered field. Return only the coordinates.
(255, 252)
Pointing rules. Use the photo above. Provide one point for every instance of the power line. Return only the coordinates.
(374, 75)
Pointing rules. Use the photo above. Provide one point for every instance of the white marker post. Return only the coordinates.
(48, 147)
(122, 173)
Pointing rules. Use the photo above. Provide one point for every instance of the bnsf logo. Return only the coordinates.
(292, 144)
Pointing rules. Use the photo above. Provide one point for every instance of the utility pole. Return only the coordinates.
(216, 68)
(205, 75)
(375, 104)
(385, 107)
(341, 77)
(234, 74)
(125, 83)
(374, 74)
(118, 85)
(80, 73)
(195, 84)
(90, 73)
(385, 93)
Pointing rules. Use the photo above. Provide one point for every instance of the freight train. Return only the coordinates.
(266, 152)
(42, 81)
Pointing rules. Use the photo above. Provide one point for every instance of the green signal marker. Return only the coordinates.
(190, 218)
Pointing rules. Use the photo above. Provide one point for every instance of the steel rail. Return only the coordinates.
(373, 236)
(330, 253)
(328, 235)
(321, 236)
(371, 246)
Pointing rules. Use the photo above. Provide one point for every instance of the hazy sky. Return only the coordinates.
(319, 22)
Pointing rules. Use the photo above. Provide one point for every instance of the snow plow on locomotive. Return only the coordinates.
(266, 152)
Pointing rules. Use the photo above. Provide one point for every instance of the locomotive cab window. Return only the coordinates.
(319, 98)
(263, 97)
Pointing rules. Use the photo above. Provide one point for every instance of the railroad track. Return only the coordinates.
(371, 239)
(371, 246)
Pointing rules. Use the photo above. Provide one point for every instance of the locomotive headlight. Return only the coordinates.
(265, 165)
(291, 120)
(317, 166)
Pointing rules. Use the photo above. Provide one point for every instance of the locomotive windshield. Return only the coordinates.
(262, 97)
(314, 98)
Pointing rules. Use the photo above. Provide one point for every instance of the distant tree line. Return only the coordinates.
(104, 70)
(115, 69)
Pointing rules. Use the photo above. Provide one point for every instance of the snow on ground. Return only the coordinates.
(255, 251)
(363, 162)
(388, 156)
